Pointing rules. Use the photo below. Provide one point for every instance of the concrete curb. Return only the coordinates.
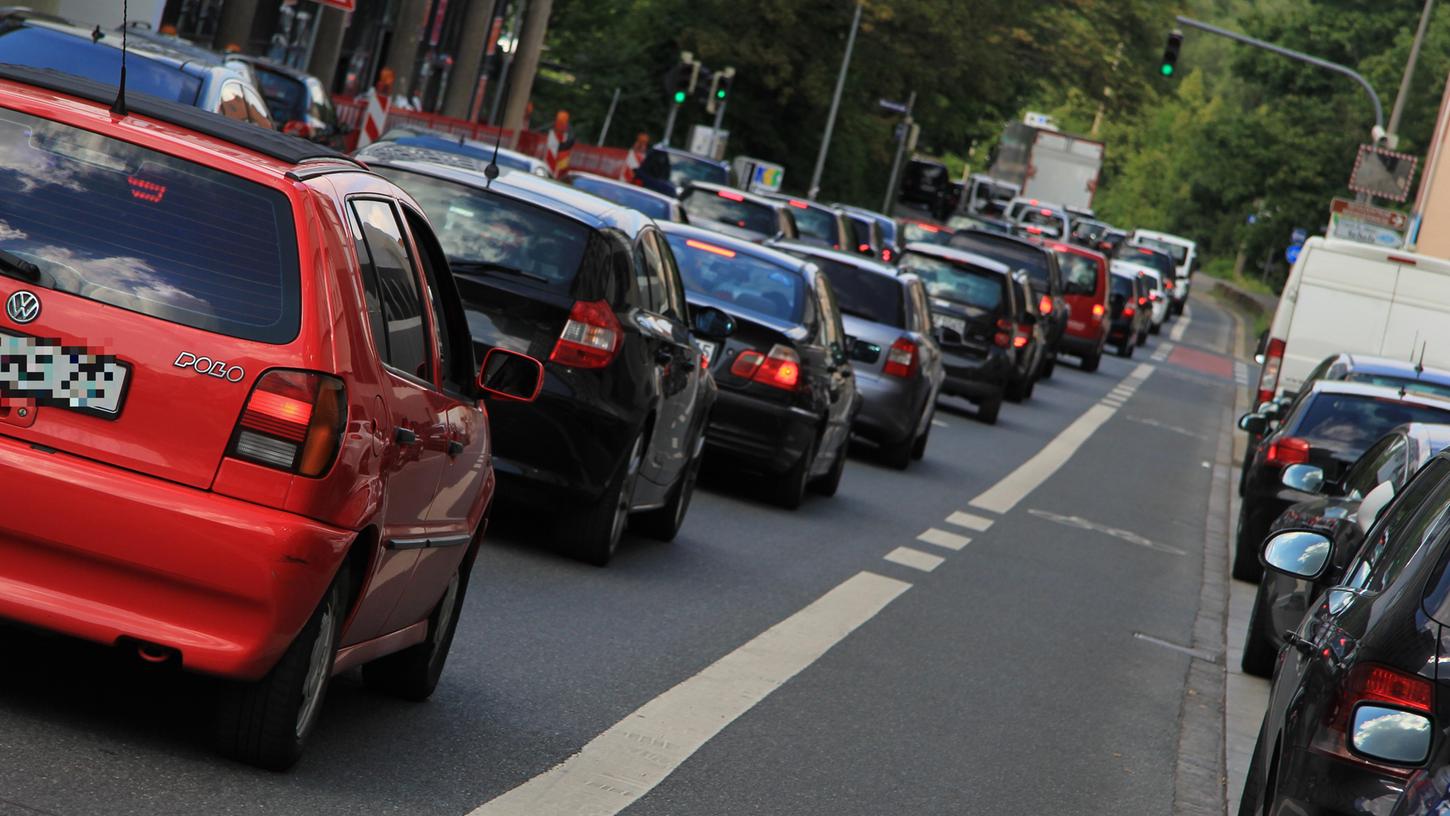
(1251, 304)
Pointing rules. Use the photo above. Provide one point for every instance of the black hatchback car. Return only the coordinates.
(1040, 263)
(1359, 699)
(787, 392)
(617, 433)
(976, 309)
(1330, 425)
(739, 214)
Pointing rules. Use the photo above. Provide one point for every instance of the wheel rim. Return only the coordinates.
(319, 667)
(626, 495)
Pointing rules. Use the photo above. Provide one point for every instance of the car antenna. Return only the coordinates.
(1420, 366)
(491, 171)
(119, 106)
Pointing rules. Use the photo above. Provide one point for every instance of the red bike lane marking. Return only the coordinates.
(1201, 361)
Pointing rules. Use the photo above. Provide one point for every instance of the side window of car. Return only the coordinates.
(656, 276)
(1401, 529)
(832, 333)
(455, 345)
(404, 341)
(674, 284)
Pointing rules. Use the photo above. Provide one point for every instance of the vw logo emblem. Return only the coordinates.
(23, 306)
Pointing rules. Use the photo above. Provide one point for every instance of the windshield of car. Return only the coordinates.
(1349, 423)
(730, 208)
(1012, 252)
(1410, 385)
(1121, 286)
(1079, 273)
(632, 197)
(285, 96)
(684, 170)
(497, 232)
(862, 293)
(1148, 257)
(116, 223)
(1046, 220)
(959, 282)
(37, 47)
(916, 232)
(1178, 252)
(814, 222)
(748, 283)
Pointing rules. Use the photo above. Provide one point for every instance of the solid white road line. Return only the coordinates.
(942, 538)
(970, 521)
(916, 559)
(1004, 495)
(624, 763)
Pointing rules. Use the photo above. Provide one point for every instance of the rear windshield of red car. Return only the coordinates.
(1079, 273)
(1350, 423)
(710, 205)
(143, 231)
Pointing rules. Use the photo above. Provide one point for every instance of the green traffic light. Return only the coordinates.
(679, 97)
(1167, 69)
(720, 94)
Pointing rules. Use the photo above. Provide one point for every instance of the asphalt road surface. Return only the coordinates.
(823, 661)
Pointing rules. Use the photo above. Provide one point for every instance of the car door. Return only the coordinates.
(661, 319)
(928, 349)
(413, 463)
(840, 381)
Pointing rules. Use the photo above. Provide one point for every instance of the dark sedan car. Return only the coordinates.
(739, 214)
(975, 309)
(1359, 699)
(1041, 265)
(1126, 300)
(1341, 511)
(1328, 426)
(818, 224)
(787, 392)
(656, 206)
(617, 434)
(895, 355)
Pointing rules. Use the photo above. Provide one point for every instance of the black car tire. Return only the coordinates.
(988, 409)
(1016, 391)
(1246, 549)
(1044, 370)
(1090, 361)
(918, 447)
(1155, 328)
(1143, 339)
(413, 673)
(1259, 652)
(664, 523)
(828, 484)
(789, 489)
(898, 454)
(592, 534)
(267, 723)
(1125, 348)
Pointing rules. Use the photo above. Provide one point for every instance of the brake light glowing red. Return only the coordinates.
(928, 227)
(1003, 337)
(278, 414)
(146, 190)
(885, 254)
(733, 196)
(800, 205)
(704, 247)
(293, 421)
(901, 359)
(1032, 201)
(1045, 211)
(1034, 230)
(1142, 301)
(1045, 305)
(1020, 339)
(864, 248)
(1269, 378)
(781, 368)
(1099, 310)
(590, 337)
(1142, 251)
(1291, 450)
(1129, 311)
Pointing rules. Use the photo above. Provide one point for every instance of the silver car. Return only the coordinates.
(895, 355)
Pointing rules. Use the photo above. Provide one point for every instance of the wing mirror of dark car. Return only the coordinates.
(1302, 554)
(708, 321)
(863, 351)
(510, 376)
(1254, 423)
(1391, 734)
(1304, 478)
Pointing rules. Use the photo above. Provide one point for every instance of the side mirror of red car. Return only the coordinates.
(510, 376)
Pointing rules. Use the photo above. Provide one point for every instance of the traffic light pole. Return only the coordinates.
(815, 187)
(670, 123)
(1379, 111)
(906, 123)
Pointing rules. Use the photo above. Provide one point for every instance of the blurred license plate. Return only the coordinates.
(708, 349)
(75, 377)
(955, 324)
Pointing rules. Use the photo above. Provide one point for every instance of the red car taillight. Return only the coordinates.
(901, 359)
(1269, 379)
(1129, 311)
(1020, 338)
(292, 421)
(1098, 309)
(1005, 330)
(1045, 305)
(885, 254)
(781, 368)
(1369, 683)
(1291, 450)
(1142, 301)
(590, 337)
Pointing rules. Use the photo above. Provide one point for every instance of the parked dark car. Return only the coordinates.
(1126, 300)
(1329, 426)
(670, 171)
(1040, 263)
(975, 307)
(1335, 511)
(889, 249)
(299, 102)
(818, 224)
(656, 206)
(617, 433)
(739, 214)
(1359, 696)
(787, 393)
(894, 353)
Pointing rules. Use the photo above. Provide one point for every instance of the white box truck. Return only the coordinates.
(1049, 165)
(1343, 296)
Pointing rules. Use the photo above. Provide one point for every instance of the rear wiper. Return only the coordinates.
(489, 266)
(17, 267)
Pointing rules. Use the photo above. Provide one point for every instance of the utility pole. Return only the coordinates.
(815, 188)
(906, 125)
(723, 80)
(1392, 130)
(608, 117)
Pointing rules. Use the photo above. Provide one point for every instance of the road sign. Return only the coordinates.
(1382, 172)
(1367, 224)
(890, 105)
(1300, 236)
(1291, 252)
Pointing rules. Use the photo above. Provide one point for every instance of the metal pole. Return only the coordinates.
(715, 131)
(508, 63)
(900, 149)
(608, 117)
(835, 105)
(1392, 130)
(670, 122)
(1379, 111)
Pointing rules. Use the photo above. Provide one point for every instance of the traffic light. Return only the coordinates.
(722, 87)
(681, 78)
(1170, 54)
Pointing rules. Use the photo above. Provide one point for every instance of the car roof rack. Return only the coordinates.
(282, 146)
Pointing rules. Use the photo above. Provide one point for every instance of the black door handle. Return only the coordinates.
(404, 436)
(1293, 639)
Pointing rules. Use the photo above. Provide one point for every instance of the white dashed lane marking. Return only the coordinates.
(916, 559)
(942, 538)
(969, 521)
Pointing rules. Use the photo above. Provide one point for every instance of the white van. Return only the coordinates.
(1184, 253)
(1343, 296)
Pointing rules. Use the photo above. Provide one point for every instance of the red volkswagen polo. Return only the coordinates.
(1085, 287)
(240, 427)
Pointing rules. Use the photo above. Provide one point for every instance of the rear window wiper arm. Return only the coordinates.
(489, 266)
(17, 267)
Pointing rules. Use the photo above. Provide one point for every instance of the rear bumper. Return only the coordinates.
(976, 378)
(566, 446)
(891, 406)
(758, 433)
(226, 583)
(1083, 346)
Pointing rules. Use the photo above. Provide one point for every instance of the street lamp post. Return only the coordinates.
(815, 187)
